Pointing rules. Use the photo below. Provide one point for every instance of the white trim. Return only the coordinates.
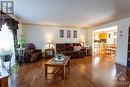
(121, 63)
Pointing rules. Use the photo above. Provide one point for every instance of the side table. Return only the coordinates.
(21, 54)
(89, 51)
(49, 52)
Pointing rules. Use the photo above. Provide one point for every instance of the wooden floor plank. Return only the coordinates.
(97, 71)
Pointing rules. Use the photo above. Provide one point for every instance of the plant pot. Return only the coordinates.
(7, 58)
(59, 57)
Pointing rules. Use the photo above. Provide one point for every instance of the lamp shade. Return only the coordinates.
(49, 41)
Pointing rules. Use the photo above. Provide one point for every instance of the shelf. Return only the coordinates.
(128, 56)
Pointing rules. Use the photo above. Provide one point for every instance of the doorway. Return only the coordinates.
(105, 42)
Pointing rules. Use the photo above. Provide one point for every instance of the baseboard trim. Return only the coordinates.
(121, 63)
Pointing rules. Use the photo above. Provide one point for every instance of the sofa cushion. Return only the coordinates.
(77, 48)
(76, 44)
(60, 47)
(68, 49)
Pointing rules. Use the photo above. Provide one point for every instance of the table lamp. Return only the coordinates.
(83, 43)
(49, 42)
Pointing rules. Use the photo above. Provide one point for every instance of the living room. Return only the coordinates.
(59, 34)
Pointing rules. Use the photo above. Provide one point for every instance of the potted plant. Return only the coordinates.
(60, 56)
(6, 55)
(21, 41)
(20, 50)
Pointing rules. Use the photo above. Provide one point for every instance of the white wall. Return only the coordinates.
(110, 40)
(122, 40)
(39, 35)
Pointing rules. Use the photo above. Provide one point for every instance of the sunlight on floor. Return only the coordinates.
(96, 60)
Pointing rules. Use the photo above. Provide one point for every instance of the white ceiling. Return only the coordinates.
(84, 13)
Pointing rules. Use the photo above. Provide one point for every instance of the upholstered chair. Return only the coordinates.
(32, 54)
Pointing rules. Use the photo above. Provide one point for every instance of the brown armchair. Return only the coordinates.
(32, 53)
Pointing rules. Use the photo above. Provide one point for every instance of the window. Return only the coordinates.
(6, 38)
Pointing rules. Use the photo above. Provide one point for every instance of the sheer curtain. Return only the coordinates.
(6, 39)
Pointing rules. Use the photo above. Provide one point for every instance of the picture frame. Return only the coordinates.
(68, 34)
(61, 33)
(109, 35)
(75, 34)
(49, 52)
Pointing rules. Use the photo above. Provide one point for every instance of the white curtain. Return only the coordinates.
(6, 41)
(6, 38)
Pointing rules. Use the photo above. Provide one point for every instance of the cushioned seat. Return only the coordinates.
(68, 50)
(32, 54)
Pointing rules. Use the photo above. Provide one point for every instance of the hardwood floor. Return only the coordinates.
(96, 71)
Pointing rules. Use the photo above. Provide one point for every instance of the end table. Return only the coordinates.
(49, 52)
(21, 54)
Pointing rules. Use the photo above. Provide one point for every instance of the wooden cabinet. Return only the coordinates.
(128, 54)
(3, 77)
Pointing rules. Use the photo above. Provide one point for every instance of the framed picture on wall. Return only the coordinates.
(75, 34)
(61, 33)
(115, 34)
(68, 34)
(109, 35)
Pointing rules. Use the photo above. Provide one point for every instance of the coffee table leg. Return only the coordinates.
(46, 71)
(69, 65)
(64, 72)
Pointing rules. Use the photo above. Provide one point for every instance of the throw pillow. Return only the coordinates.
(77, 48)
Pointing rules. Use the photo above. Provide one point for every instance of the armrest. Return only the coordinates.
(58, 50)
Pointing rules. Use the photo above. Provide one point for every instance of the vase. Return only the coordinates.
(7, 58)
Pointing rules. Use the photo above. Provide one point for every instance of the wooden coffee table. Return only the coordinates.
(58, 67)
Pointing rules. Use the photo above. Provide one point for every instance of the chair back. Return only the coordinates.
(30, 46)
